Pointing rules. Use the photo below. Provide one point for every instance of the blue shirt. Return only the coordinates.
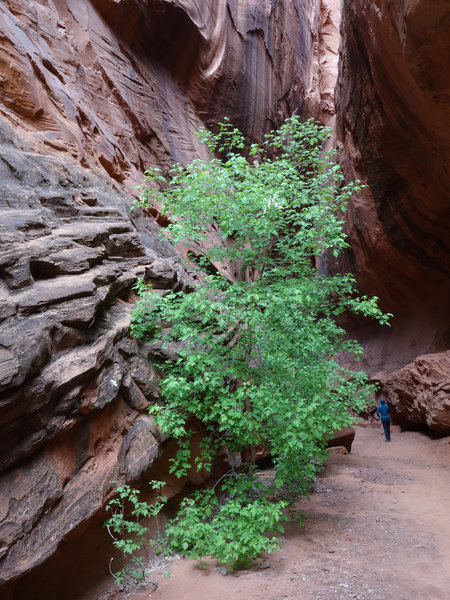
(383, 411)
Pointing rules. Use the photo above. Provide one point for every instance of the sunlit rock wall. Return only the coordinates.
(125, 84)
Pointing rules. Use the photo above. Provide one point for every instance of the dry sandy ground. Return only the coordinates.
(377, 528)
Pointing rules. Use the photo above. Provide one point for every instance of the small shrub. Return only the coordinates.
(135, 540)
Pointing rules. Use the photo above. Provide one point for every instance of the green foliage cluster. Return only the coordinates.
(233, 529)
(255, 356)
(133, 538)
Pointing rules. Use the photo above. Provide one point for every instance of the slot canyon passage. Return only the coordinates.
(94, 92)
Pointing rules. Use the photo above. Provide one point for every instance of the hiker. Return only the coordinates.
(383, 413)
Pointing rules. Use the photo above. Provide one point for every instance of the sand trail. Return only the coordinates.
(377, 528)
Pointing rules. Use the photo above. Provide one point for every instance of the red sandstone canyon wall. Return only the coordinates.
(124, 85)
(394, 130)
(92, 92)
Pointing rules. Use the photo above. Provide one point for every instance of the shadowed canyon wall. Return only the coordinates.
(393, 106)
(92, 92)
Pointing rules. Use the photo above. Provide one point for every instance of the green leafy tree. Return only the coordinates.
(255, 355)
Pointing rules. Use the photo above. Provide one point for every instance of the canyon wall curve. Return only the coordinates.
(393, 127)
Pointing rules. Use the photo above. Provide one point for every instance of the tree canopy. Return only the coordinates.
(255, 355)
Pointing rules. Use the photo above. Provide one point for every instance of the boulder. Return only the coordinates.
(419, 393)
(342, 438)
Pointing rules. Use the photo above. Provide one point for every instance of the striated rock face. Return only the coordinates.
(73, 386)
(124, 84)
(419, 394)
(393, 125)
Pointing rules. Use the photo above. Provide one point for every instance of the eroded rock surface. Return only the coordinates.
(393, 125)
(74, 387)
(124, 84)
(419, 394)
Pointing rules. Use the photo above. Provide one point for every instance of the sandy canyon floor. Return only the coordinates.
(377, 528)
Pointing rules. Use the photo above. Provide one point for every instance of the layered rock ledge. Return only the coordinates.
(74, 387)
